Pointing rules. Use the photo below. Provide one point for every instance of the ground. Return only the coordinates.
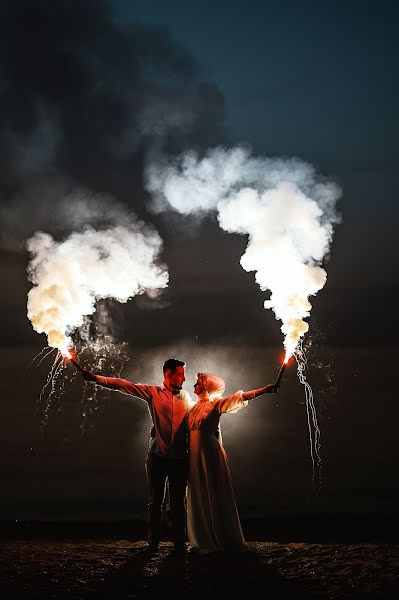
(78, 569)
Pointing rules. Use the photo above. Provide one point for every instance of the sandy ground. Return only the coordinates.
(87, 568)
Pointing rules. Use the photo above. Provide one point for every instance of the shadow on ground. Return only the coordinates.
(88, 569)
(170, 575)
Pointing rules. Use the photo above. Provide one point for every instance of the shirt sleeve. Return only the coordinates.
(126, 387)
(230, 404)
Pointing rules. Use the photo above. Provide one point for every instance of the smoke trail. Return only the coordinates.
(68, 277)
(286, 209)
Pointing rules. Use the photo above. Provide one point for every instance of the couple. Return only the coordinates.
(186, 448)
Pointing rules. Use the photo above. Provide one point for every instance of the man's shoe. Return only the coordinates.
(179, 548)
(152, 548)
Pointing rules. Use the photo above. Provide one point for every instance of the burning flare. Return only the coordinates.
(282, 369)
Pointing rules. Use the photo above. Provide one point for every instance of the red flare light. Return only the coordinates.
(71, 355)
(68, 353)
(282, 369)
(77, 365)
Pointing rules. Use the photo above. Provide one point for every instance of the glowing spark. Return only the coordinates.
(100, 349)
(45, 356)
(313, 427)
(39, 354)
(56, 368)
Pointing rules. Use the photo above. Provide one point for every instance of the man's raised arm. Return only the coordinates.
(115, 383)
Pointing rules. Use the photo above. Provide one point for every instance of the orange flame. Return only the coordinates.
(68, 353)
(287, 357)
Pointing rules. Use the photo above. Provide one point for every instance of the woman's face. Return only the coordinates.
(199, 389)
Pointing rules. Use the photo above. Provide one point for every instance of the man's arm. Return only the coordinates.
(117, 384)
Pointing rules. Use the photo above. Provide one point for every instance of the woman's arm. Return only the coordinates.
(88, 376)
(233, 403)
(270, 388)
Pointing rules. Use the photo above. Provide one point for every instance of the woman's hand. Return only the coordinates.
(271, 388)
(87, 375)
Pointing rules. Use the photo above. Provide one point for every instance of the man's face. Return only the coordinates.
(174, 379)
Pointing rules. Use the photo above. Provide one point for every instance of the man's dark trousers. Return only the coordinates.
(158, 470)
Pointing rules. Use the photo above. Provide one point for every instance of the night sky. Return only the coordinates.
(90, 92)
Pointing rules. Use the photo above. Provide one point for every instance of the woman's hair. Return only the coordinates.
(213, 384)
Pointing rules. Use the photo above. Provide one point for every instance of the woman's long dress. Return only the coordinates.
(213, 523)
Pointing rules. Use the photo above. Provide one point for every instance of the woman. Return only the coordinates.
(213, 523)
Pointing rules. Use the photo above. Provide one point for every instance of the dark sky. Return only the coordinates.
(89, 91)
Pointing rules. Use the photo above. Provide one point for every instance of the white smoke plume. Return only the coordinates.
(285, 208)
(68, 277)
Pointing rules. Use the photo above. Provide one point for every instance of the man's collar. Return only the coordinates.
(163, 387)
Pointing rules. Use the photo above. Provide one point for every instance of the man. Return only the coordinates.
(167, 457)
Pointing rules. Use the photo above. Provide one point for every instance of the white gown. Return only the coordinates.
(213, 523)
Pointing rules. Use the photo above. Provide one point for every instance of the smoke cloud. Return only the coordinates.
(285, 208)
(84, 94)
(68, 277)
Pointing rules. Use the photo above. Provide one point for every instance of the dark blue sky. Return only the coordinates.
(318, 79)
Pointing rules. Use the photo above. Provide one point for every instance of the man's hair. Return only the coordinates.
(172, 363)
